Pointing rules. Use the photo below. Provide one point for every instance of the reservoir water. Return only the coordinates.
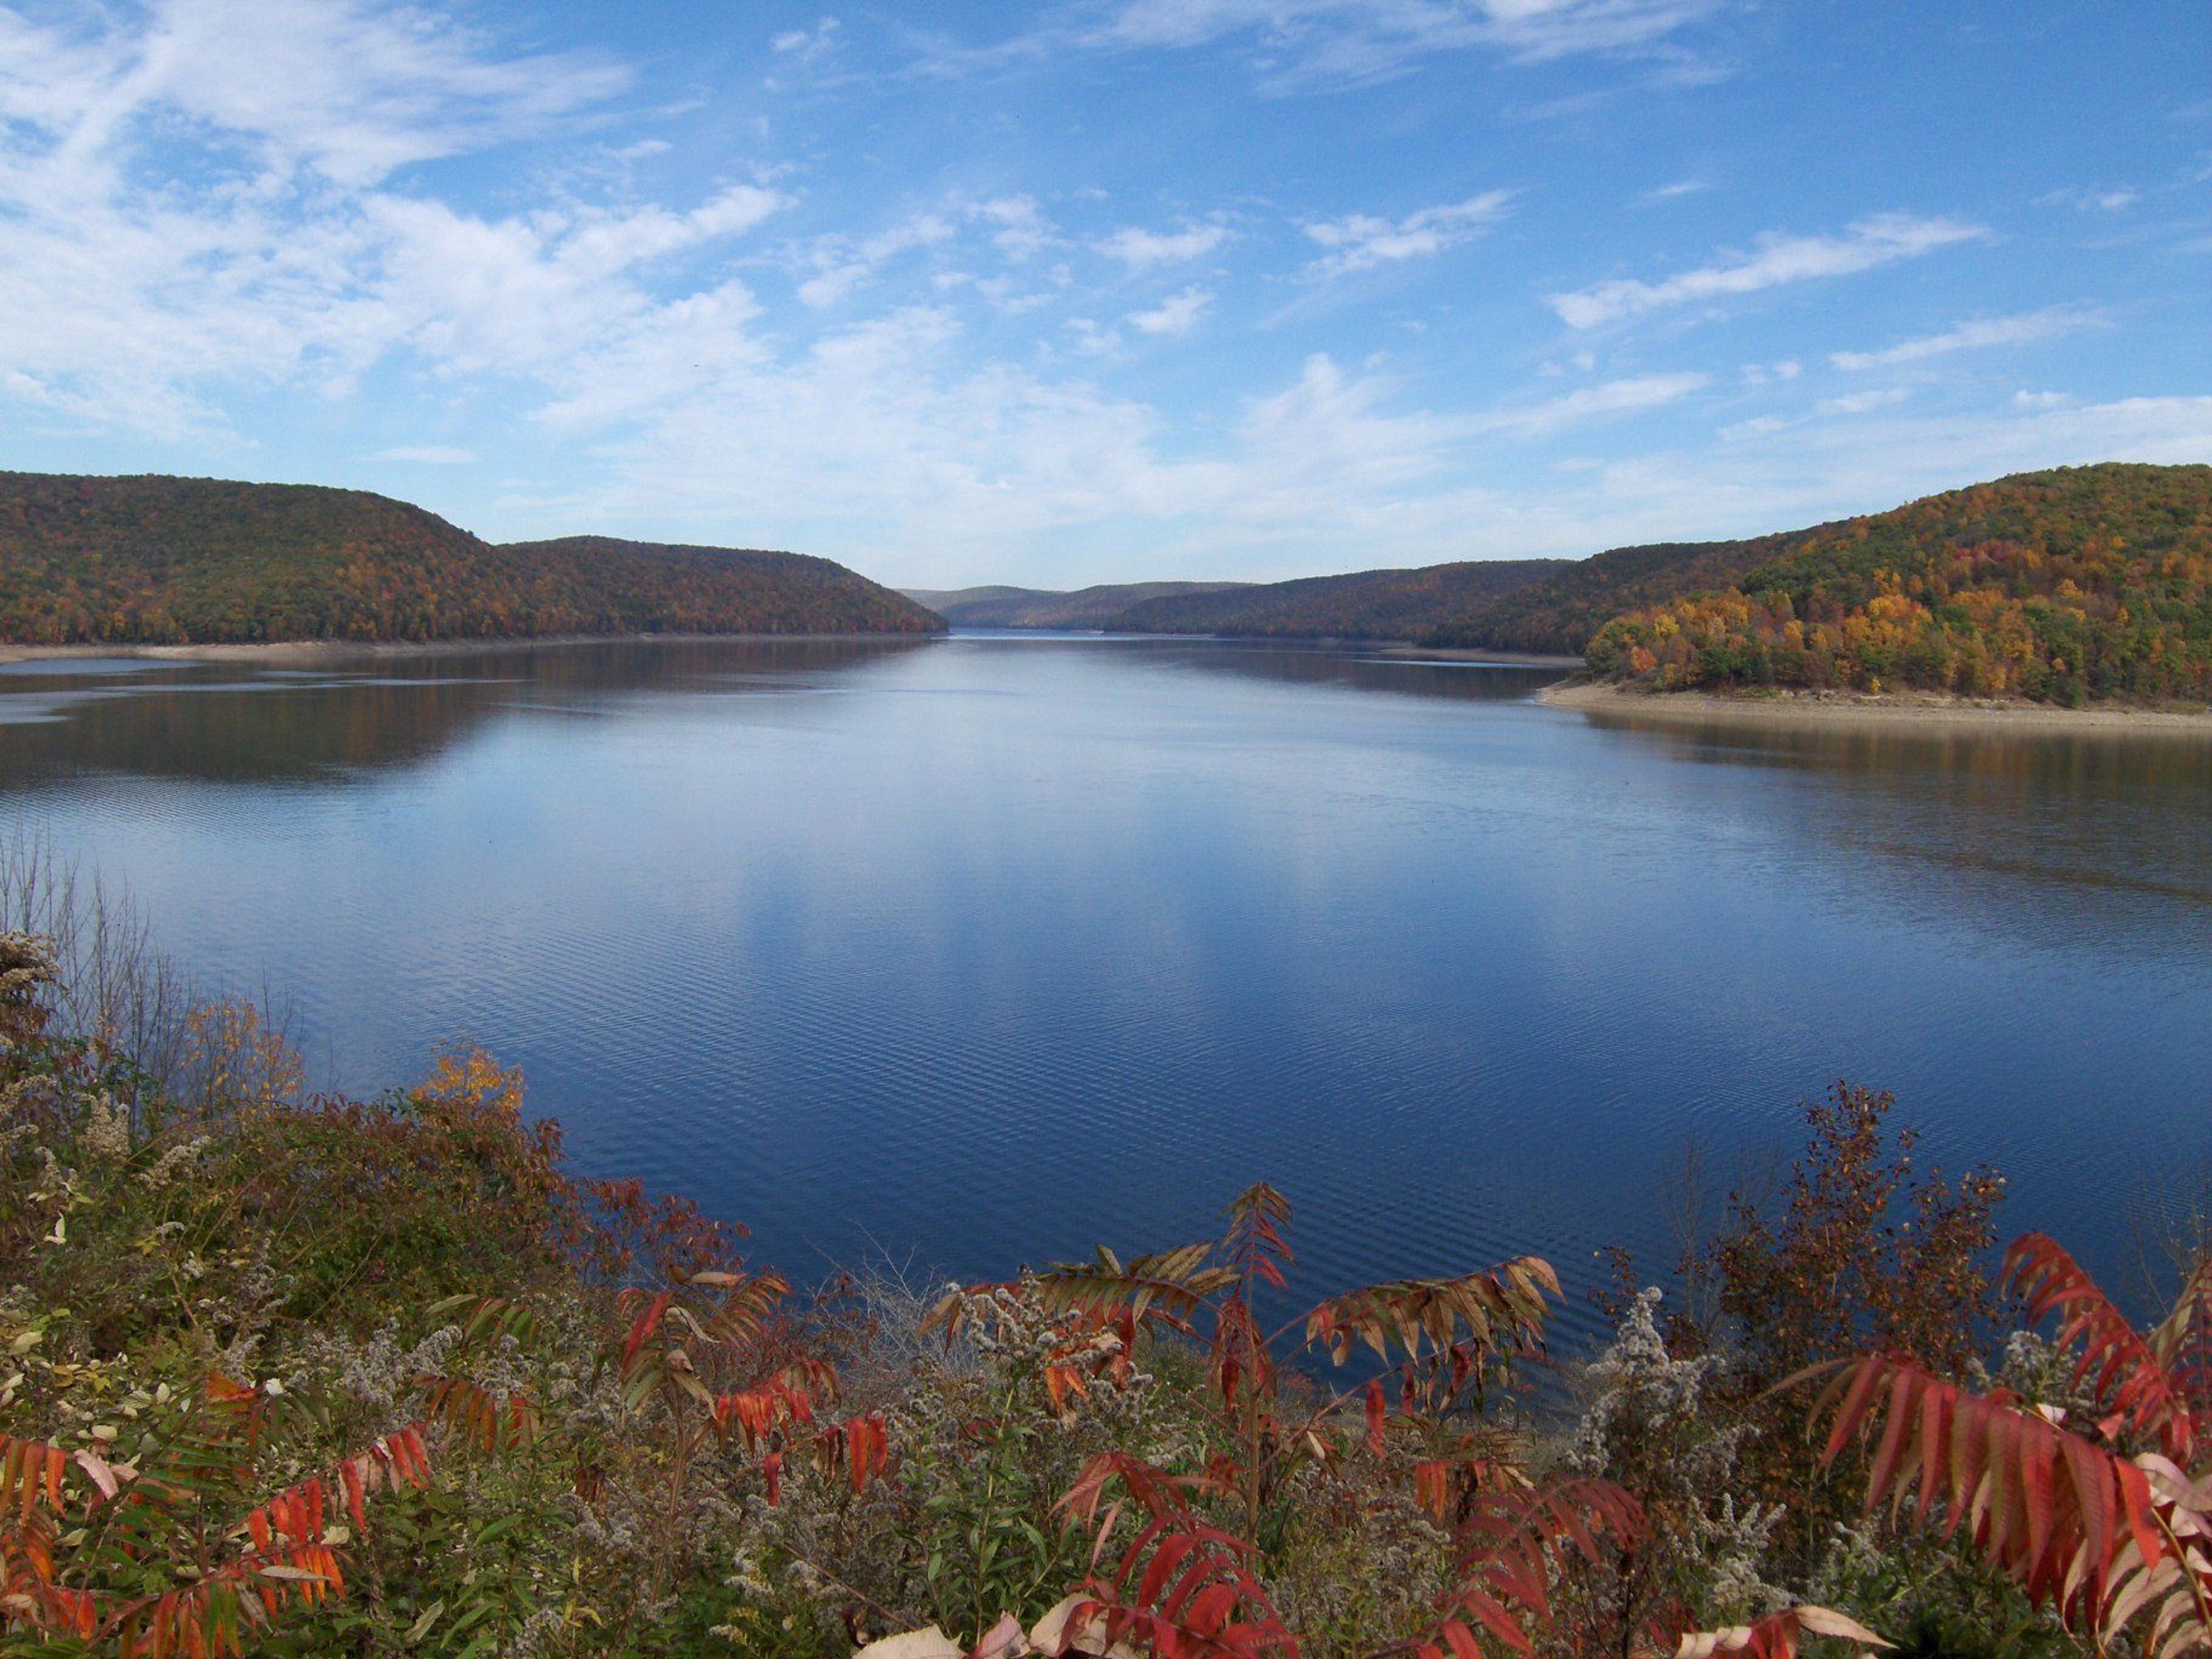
(978, 951)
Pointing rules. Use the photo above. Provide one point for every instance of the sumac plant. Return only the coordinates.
(709, 1359)
(1181, 1553)
(148, 1544)
(2103, 1516)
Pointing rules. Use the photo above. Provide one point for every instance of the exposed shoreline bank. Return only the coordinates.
(318, 651)
(1852, 711)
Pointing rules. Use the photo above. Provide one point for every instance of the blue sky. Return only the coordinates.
(1113, 289)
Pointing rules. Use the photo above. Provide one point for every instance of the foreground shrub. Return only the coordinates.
(288, 1374)
(2103, 1517)
(233, 1316)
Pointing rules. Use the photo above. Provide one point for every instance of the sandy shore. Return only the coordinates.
(1850, 711)
(313, 652)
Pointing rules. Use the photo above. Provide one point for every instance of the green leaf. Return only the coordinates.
(421, 1627)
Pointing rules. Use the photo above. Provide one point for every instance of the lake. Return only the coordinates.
(978, 951)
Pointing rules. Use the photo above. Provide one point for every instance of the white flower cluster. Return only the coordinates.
(1642, 1396)
(172, 1163)
(105, 1134)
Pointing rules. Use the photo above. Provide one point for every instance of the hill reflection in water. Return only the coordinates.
(989, 948)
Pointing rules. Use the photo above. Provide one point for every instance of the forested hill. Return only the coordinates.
(1037, 607)
(1560, 613)
(151, 559)
(2065, 586)
(1369, 604)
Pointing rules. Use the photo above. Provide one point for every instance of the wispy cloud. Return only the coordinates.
(217, 209)
(809, 45)
(204, 204)
(1861, 403)
(1675, 191)
(1307, 41)
(1020, 230)
(1611, 398)
(1176, 314)
(354, 90)
(1362, 242)
(2021, 330)
(1880, 240)
(1142, 250)
(842, 265)
(2113, 199)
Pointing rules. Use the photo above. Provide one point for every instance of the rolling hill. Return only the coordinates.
(1560, 613)
(1366, 604)
(152, 560)
(1036, 607)
(2070, 586)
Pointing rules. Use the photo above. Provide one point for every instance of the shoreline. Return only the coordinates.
(1467, 654)
(279, 651)
(1859, 711)
(1402, 649)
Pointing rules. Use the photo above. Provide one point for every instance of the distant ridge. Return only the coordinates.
(1367, 605)
(1035, 607)
(151, 559)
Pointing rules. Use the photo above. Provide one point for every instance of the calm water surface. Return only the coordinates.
(982, 950)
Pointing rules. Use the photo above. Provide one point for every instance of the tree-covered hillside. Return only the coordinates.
(2064, 586)
(1560, 613)
(1039, 607)
(154, 559)
(1370, 604)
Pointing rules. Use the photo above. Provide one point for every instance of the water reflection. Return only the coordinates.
(991, 948)
(2031, 832)
(246, 722)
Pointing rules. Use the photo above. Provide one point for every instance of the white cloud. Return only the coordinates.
(1307, 41)
(1021, 228)
(2026, 399)
(842, 265)
(1679, 188)
(1092, 340)
(1758, 427)
(806, 45)
(1611, 397)
(428, 455)
(352, 90)
(166, 250)
(1176, 314)
(2093, 201)
(1860, 403)
(1362, 242)
(1142, 250)
(2019, 330)
(1880, 240)
(202, 205)
(1536, 30)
